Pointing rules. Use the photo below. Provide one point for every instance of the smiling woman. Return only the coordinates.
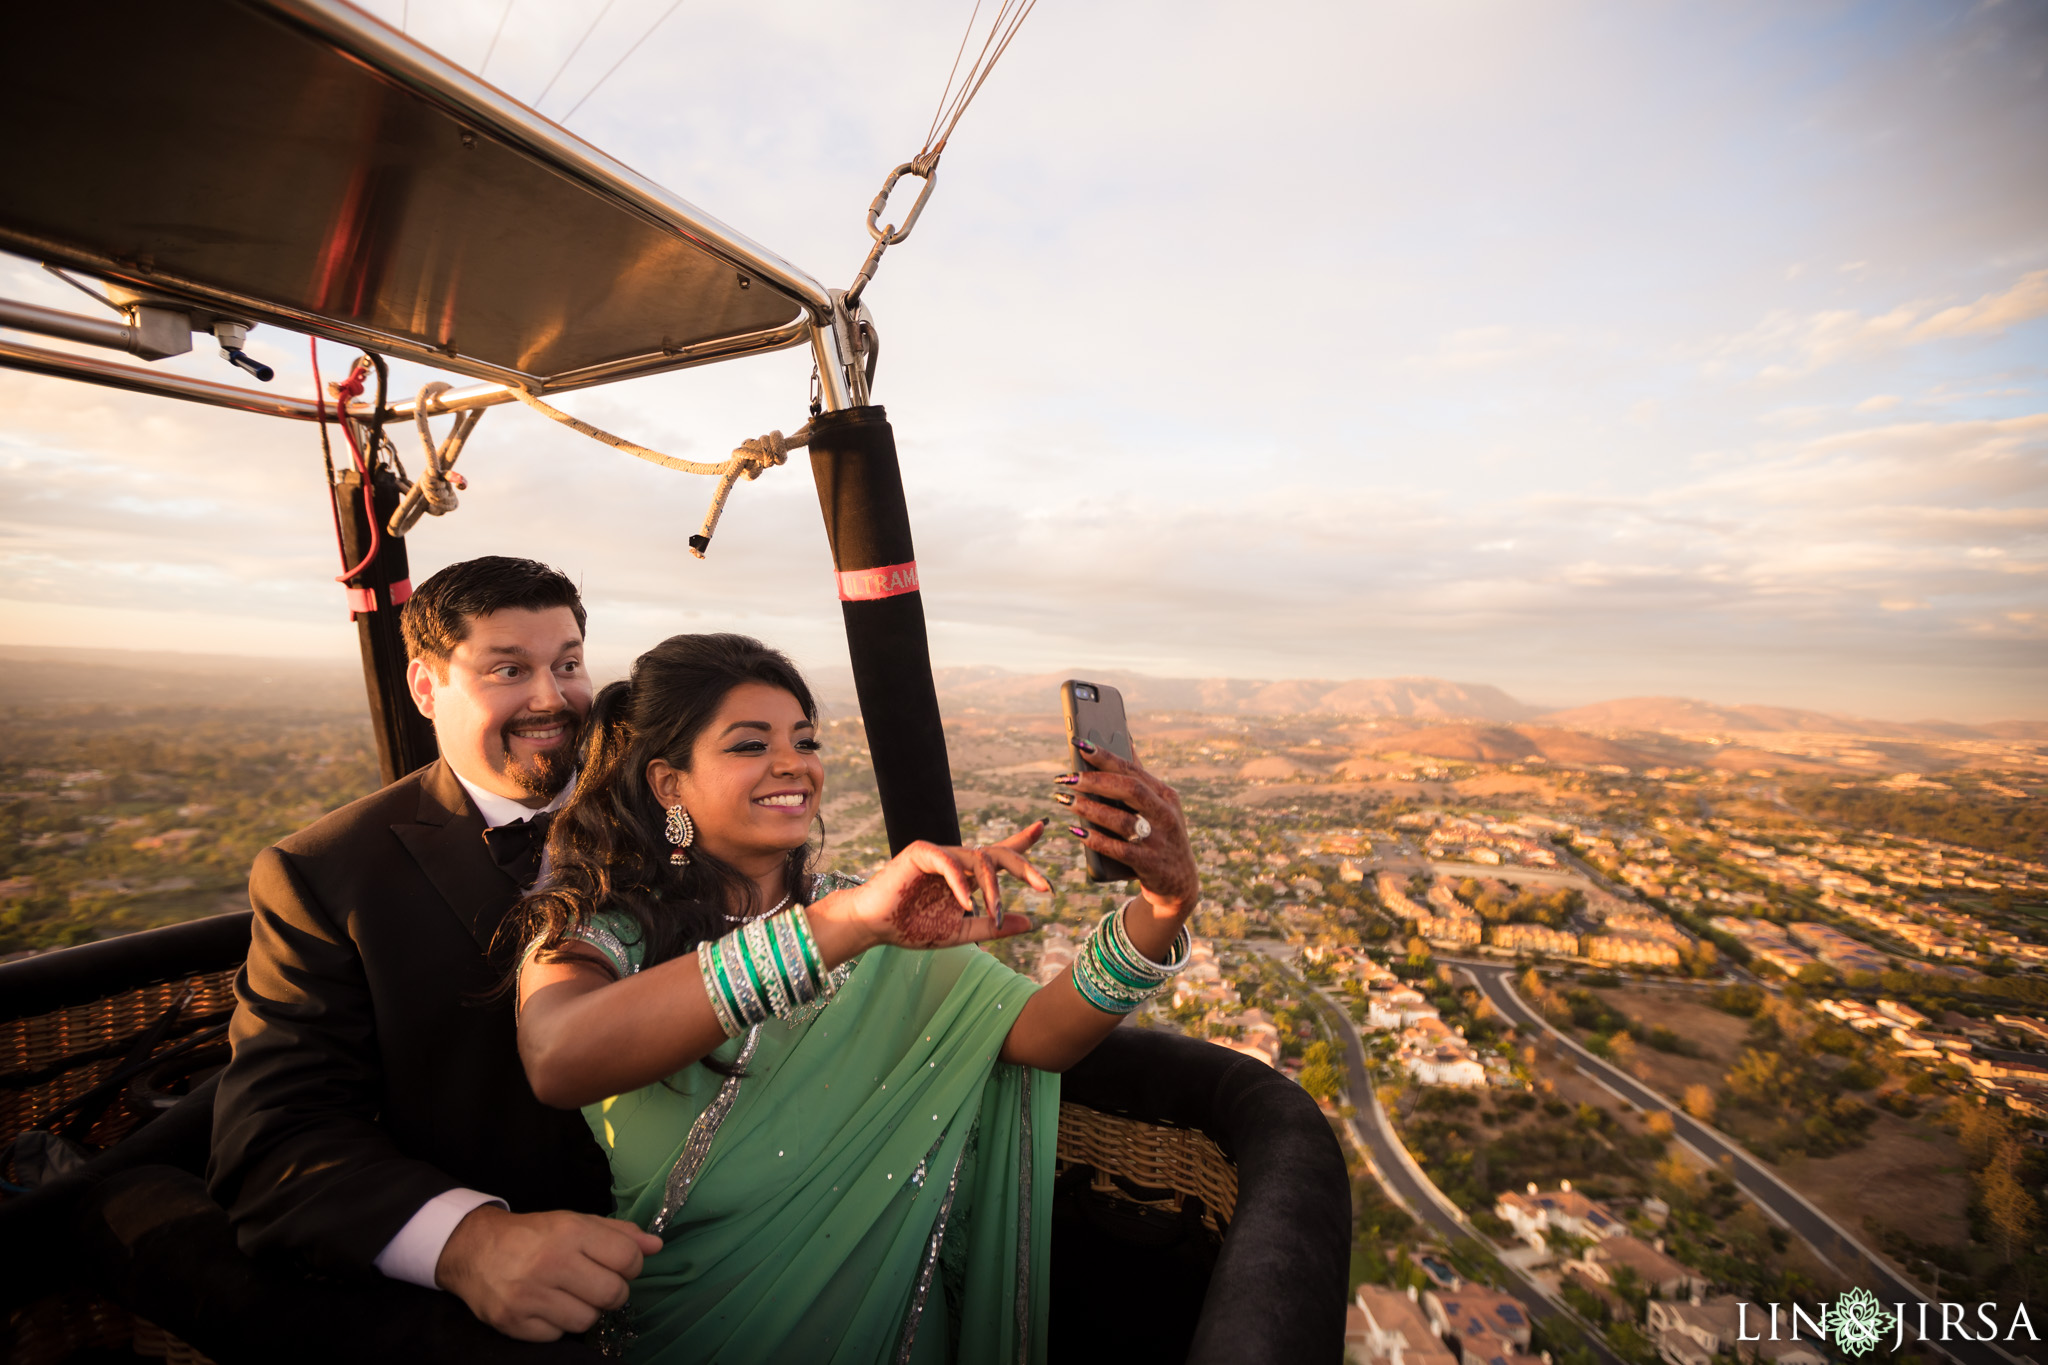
(754, 784)
(854, 1044)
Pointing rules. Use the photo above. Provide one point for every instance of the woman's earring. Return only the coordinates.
(681, 832)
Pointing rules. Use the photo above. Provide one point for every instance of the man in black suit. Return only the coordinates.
(375, 1115)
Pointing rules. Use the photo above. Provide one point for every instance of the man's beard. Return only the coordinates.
(544, 774)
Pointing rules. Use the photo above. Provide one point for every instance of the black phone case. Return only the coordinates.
(1101, 723)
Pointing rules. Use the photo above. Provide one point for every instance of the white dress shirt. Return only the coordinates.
(415, 1253)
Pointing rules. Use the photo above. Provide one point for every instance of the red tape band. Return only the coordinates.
(401, 591)
(361, 600)
(871, 585)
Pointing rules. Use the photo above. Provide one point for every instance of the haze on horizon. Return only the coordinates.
(1584, 350)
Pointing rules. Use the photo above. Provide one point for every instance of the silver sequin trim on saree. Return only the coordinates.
(607, 943)
(1023, 1300)
(922, 1289)
(697, 1147)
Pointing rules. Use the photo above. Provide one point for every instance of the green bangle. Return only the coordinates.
(782, 940)
(1107, 958)
(746, 955)
(743, 1012)
(719, 1009)
(751, 1008)
(814, 961)
(760, 943)
(1098, 990)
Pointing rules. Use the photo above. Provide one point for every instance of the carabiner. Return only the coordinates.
(891, 235)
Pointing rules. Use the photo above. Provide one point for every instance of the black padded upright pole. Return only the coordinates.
(405, 738)
(860, 489)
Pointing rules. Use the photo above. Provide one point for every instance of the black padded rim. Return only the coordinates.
(1277, 1294)
(92, 971)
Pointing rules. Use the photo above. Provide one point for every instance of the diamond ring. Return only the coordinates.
(1140, 832)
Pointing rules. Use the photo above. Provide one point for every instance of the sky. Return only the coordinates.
(1587, 350)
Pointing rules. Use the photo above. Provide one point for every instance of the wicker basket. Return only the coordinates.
(1130, 1159)
(50, 1059)
(1178, 1162)
(152, 1340)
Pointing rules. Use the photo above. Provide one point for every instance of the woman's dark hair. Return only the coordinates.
(607, 849)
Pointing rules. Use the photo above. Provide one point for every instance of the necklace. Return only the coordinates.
(744, 919)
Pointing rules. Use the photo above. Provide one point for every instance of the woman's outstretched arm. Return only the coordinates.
(585, 1035)
(1057, 1027)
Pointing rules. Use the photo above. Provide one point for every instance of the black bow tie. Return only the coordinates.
(516, 848)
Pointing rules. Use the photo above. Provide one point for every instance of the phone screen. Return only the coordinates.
(1095, 713)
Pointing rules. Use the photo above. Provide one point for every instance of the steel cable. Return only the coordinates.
(622, 60)
(953, 103)
(572, 53)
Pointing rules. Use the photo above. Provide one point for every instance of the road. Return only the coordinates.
(1833, 1242)
(1397, 1170)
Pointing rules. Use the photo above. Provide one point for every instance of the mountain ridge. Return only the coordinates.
(40, 674)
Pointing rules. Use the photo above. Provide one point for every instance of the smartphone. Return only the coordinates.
(1095, 712)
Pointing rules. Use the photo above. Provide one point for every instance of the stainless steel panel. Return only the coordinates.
(298, 162)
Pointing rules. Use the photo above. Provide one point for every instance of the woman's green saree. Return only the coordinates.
(876, 1187)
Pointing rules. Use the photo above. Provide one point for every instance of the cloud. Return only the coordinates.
(1482, 348)
(2026, 300)
(1814, 340)
(1371, 354)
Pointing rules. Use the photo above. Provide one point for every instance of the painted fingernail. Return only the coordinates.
(1064, 798)
(1067, 779)
(1084, 746)
(1077, 831)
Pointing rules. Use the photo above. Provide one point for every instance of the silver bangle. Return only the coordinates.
(720, 1009)
(762, 955)
(1178, 953)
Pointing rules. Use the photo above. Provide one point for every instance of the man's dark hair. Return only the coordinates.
(436, 617)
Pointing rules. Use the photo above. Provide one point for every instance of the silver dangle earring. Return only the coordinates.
(682, 832)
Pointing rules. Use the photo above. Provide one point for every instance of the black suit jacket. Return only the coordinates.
(370, 1073)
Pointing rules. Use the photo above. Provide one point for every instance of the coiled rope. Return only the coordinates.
(749, 459)
(435, 493)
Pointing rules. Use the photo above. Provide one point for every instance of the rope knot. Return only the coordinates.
(750, 458)
(436, 492)
(758, 455)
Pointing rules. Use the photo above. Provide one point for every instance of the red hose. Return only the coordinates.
(353, 387)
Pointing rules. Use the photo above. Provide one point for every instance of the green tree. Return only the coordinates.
(1320, 1074)
(2008, 1207)
(1623, 1051)
(1759, 1077)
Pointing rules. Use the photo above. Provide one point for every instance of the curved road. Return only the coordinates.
(1404, 1180)
(1833, 1242)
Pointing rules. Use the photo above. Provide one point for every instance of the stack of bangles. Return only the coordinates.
(1113, 976)
(769, 967)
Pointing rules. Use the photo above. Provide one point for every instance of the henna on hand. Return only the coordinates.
(927, 913)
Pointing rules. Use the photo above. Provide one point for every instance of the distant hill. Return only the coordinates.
(1687, 715)
(1503, 744)
(993, 689)
(1684, 715)
(39, 676)
(1478, 720)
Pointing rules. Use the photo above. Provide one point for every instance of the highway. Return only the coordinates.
(1397, 1171)
(1833, 1242)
